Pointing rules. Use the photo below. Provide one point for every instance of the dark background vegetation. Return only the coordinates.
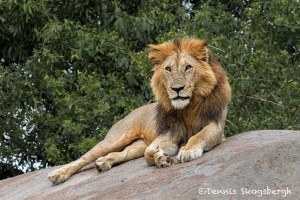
(69, 69)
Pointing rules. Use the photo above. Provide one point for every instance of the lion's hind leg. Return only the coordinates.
(132, 151)
(106, 146)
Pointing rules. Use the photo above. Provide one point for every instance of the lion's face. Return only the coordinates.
(179, 78)
(182, 73)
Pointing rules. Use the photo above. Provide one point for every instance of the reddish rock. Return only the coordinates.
(245, 166)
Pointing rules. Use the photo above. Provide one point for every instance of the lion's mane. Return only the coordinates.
(211, 93)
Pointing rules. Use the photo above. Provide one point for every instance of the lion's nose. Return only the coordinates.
(177, 88)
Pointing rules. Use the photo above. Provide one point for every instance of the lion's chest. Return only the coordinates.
(178, 124)
(193, 125)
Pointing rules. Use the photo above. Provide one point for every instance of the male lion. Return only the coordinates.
(192, 93)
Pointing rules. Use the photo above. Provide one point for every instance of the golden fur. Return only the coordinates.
(192, 93)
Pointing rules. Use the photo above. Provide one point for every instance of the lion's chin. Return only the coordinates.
(180, 104)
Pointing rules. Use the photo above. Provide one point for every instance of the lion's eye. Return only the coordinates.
(188, 67)
(168, 69)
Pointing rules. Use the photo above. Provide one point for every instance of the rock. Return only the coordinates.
(256, 164)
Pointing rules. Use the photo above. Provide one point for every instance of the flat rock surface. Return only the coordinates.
(252, 165)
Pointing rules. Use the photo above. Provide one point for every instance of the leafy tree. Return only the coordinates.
(70, 69)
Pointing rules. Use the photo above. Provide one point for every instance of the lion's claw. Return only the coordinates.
(165, 161)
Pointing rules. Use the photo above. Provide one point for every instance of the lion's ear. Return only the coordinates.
(153, 54)
(197, 48)
(203, 51)
(159, 53)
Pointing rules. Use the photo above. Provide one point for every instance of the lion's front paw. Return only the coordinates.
(58, 176)
(102, 165)
(186, 155)
(163, 161)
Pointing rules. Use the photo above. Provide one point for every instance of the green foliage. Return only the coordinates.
(69, 70)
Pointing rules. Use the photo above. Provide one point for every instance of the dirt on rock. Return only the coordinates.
(252, 165)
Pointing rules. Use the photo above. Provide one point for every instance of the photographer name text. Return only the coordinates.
(246, 191)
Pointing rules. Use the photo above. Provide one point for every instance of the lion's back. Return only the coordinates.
(141, 122)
